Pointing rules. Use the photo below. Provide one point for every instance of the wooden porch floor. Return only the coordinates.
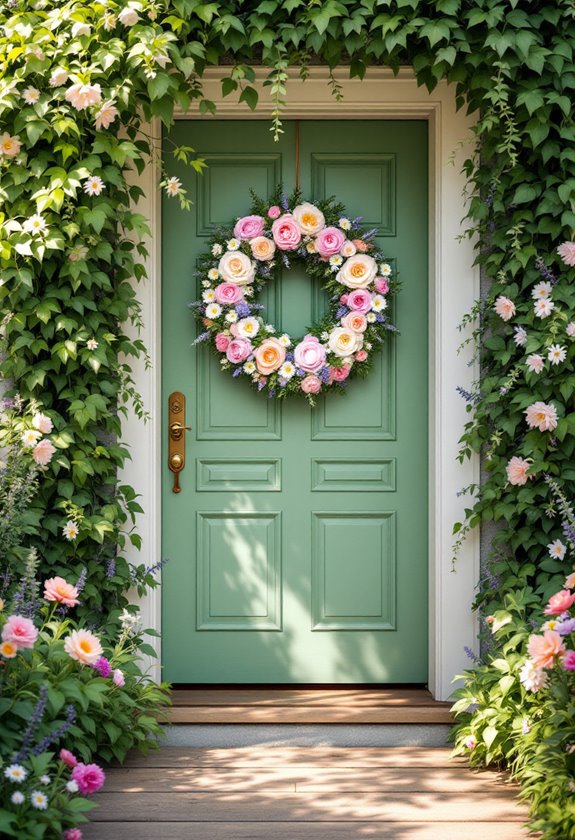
(304, 793)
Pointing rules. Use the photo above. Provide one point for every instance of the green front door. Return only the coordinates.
(297, 549)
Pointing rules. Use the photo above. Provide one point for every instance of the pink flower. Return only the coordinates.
(570, 581)
(248, 227)
(20, 631)
(222, 342)
(542, 416)
(311, 384)
(360, 356)
(270, 355)
(361, 245)
(560, 602)
(229, 293)
(343, 299)
(57, 589)
(118, 678)
(329, 241)
(504, 307)
(83, 646)
(545, 649)
(470, 742)
(43, 452)
(382, 285)
(359, 300)
(73, 834)
(83, 96)
(517, 470)
(238, 350)
(106, 115)
(103, 667)
(338, 374)
(568, 661)
(68, 758)
(309, 355)
(274, 212)
(355, 321)
(567, 252)
(286, 233)
(88, 777)
(42, 423)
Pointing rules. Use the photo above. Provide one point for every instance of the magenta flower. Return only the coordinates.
(103, 667)
(89, 778)
(569, 661)
(73, 834)
(68, 758)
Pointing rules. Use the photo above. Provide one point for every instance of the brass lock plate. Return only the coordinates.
(177, 436)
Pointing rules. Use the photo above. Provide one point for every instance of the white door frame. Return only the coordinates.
(453, 288)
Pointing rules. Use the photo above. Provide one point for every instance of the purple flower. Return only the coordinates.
(545, 272)
(261, 385)
(342, 310)
(566, 627)
(237, 372)
(284, 202)
(111, 568)
(103, 667)
(324, 374)
(81, 583)
(243, 309)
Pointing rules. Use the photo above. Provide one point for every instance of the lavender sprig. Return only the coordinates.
(33, 724)
(58, 733)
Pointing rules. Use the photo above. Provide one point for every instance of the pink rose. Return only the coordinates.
(234, 330)
(43, 452)
(57, 589)
(359, 300)
(88, 777)
(360, 356)
(382, 285)
(222, 342)
(568, 661)
(274, 212)
(73, 834)
(329, 241)
(270, 355)
(338, 374)
(560, 602)
(355, 321)
(238, 350)
(309, 355)
(343, 299)
(229, 293)
(286, 233)
(248, 227)
(119, 678)
(20, 631)
(68, 758)
(311, 384)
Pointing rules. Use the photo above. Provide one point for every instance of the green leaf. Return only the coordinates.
(250, 96)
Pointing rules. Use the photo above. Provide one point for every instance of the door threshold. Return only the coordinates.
(310, 704)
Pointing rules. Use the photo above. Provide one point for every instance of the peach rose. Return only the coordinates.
(263, 248)
(309, 218)
(348, 249)
(545, 649)
(311, 384)
(570, 581)
(357, 272)
(83, 646)
(236, 267)
(354, 321)
(43, 452)
(270, 355)
(84, 96)
(286, 232)
(361, 245)
(517, 470)
(9, 146)
(57, 589)
(344, 342)
(560, 602)
(542, 416)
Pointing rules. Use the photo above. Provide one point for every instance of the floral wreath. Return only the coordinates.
(336, 251)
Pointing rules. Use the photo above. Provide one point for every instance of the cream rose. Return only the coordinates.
(262, 248)
(236, 267)
(357, 272)
(309, 219)
(344, 342)
(270, 355)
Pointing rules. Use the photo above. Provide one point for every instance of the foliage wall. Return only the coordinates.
(78, 78)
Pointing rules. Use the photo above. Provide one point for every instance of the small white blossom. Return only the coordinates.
(30, 438)
(233, 244)
(269, 328)
(208, 296)
(556, 354)
(217, 250)
(335, 261)
(557, 549)
(232, 317)
(31, 95)
(378, 303)
(249, 367)
(543, 307)
(248, 327)
(35, 225)
(570, 329)
(370, 317)
(15, 773)
(287, 370)
(541, 291)
(108, 21)
(285, 340)
(17, 797)
(72, 786)
(94, 185)
(130, 622)
(39, 800)
(206, 284)
(213, 310)
(173, 186)
(92, 344)
(385, 269)
(128, 16)
(520, 337)
(79, 29)
(213, 274)
(59, 77)
(531, 678)
(44, 780)
(324, 336)
(367, 345)
(344, 224)
(535, 363)
(70, 530)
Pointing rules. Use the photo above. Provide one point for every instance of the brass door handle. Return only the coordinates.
(176, 436)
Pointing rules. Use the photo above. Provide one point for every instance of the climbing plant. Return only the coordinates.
(80, 82)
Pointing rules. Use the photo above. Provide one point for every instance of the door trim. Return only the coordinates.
(453, 288)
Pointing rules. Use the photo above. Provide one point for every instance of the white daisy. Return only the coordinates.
(70, 530)
(520, 337)
(213, 273)
(249, 367)
(35, 225)
(15, 773)
(557, 549)
(543, 307)
(556, 354)
(17, 797)
(344, 224)
(370, 317)
(217, 250)
(39, 800)
(173, 186)
(72, 786)
(379, 303)
(31, 95)
(285, 340)
(30, 438)
(94, 185)
(385, 269)
(213, 310)
(44, 780)
(335, 261)
(535, 363)
(232, 317)
(233, 244)
(92, 344)
(270, 329)
(248, 327)
(208, 296)
(541, 291)
(206, 284)
(287, 370)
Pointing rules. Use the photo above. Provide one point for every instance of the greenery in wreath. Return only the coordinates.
(337, 253)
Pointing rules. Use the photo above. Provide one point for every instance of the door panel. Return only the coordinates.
(298, 546)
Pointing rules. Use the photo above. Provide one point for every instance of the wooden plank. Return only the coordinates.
(490, 806)
(263, 756)
(310, 714)
(304, 697)
(305, 779)
(305, 831)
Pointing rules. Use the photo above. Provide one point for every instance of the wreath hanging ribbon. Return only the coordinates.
(337, 252)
